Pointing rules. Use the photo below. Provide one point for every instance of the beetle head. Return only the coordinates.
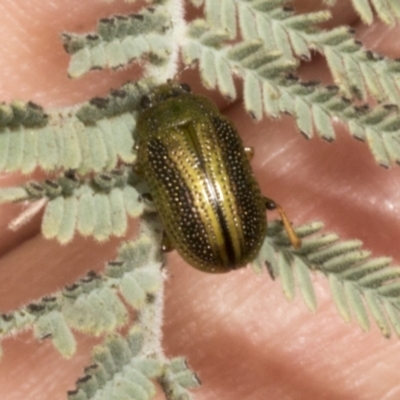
(164, 92)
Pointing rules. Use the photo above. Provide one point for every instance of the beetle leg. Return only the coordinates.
(294, 239)
(147, 200)
(166, 245)
(136, 169)
(249, 152)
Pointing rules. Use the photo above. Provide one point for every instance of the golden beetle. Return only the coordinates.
(200, 180)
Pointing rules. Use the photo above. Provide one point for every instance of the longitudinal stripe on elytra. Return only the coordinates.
(242, 182)
(199, 138)
(211, 222)
(180, 214)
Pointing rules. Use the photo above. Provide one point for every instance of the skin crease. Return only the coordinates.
(237, 330)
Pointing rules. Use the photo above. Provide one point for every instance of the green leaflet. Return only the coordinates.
(361, 286)
(68, 144)
(98, 206)
(119, 41)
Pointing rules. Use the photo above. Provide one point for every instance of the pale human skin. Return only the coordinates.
(237, 330)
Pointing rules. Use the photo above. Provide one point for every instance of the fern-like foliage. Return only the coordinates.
(89, 150)
(65, 143)
(388, 12)
(120, 39)
(272, 36)
(357, 71)
(120, 370)
(97, 206)
(267, 89)
(360, 285)
(91, 305)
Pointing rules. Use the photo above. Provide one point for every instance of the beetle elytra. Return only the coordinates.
(200, 180)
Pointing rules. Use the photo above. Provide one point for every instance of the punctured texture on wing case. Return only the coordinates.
(201, 180)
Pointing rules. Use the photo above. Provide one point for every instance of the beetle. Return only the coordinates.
(201, 181)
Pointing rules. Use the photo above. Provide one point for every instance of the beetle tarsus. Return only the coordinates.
(166, 245)
(294, 239)
(249, 152)
(146, 198)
